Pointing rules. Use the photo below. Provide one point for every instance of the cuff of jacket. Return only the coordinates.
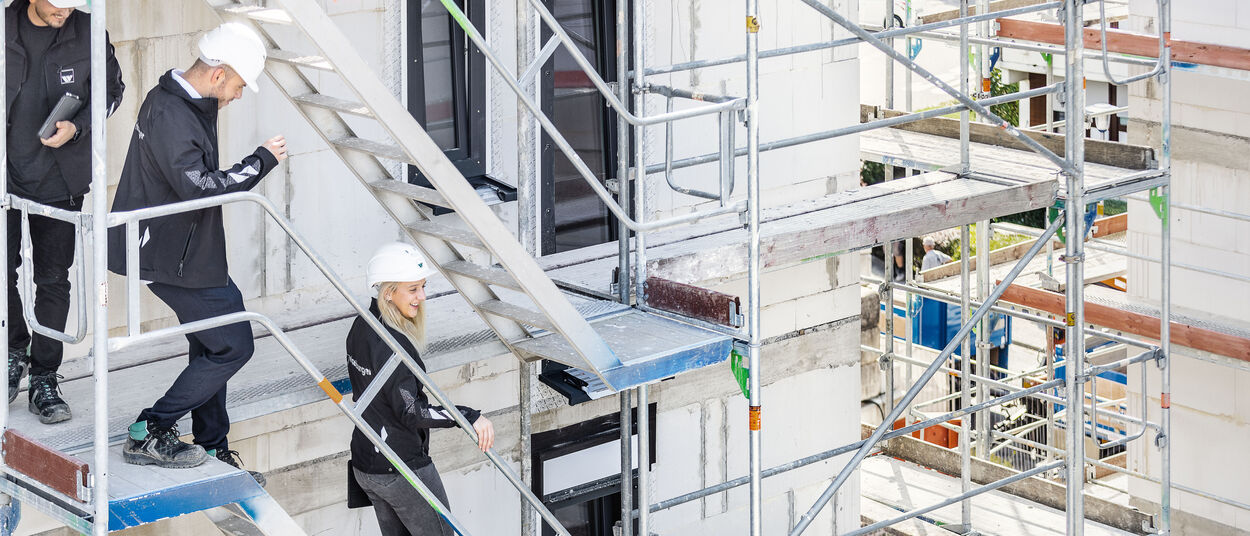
(470, 414)
(267, 160)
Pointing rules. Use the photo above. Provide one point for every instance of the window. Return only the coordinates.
(447, 84)
(577, 473)
(572, 215)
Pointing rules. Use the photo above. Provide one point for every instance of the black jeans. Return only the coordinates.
(52, 250)
(214, 355)
(399, 506)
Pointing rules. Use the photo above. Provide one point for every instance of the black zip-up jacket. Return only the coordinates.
(173, 157)
(400, 413)
(67, 69)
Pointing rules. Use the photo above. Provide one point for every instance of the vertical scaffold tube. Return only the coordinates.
(965, 156)
(99, 268)
(1074, 341)
(965, 375)
(627, 463)
(755, 424)
(1165, 264)
(640, 149)
(644, 462)
(4, 231)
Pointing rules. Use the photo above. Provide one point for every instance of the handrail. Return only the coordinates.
(28, 283)
(621, 214)
(128, 217)
(1106, 67)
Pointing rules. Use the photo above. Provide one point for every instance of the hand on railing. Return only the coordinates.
(277, 146)
(485, 433)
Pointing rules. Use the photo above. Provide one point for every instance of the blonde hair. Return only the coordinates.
(414, 328)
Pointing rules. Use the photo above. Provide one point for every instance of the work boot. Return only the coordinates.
(160, 447)
(45, 399)
(231, 458)
(18, 363)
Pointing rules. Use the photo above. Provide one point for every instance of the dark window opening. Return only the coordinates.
(572, 215)
(447, 84)
(591, 507)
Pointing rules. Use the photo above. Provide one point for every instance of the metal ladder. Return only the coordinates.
(443, 244)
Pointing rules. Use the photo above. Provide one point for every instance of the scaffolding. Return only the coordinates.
(633, 85)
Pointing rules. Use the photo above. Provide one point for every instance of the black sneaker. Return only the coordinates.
(45, 400)
(18, 363)
(231, 458)
(161, 447)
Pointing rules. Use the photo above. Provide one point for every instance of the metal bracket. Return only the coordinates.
(1159, 202)
(1161, 440)
(884, 360)
(883, 290)
(736, 318)
(1072, 259)
(1151, 526)
(1160, 357)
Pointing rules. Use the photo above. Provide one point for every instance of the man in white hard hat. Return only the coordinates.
(932, 257)
(173, 157)
(49, 56)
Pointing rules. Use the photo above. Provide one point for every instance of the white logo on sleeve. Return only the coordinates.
(245, 174)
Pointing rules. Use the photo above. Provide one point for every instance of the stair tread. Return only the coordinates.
(486, 274)
(519, 313)
(259, 13)
(376, 148)
(302, 60)
(334, 103)
(456, 235)
(411, 191)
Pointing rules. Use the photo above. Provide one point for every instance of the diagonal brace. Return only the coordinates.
(924, 378)
(925, 74)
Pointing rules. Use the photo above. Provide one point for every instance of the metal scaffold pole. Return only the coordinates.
(1074, 256)
(528, 223)
(4, 231)
(1163, 439)
(755, 432)
(99, 268)
(965, 378)
(623, 287)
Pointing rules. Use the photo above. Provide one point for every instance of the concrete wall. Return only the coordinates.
(1210, 129)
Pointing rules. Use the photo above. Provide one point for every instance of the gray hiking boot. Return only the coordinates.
(45, 399)
(231, 458)
(160, 447)
(19, 362)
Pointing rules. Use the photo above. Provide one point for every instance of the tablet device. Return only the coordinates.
(65, 109)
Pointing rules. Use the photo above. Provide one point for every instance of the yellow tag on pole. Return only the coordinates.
(753, 24)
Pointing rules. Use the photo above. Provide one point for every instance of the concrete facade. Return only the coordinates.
(1210, 404)
(811, 311)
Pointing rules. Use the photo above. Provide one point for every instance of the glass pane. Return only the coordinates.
(580, 217)
(436, 48)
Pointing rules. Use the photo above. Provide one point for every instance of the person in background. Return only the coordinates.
(932, 257)
(48, 45)
(401, 412)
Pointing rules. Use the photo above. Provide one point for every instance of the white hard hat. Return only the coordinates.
(239, 47)
(62, 4)
(398, 262)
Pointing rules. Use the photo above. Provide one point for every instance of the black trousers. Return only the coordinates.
(52, 250)
(214, 356)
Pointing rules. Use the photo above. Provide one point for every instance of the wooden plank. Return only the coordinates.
(1135, 323)
(694, 302)
(1129, 43)
(1119, 155)
(50, 467)
(997, 5)
(1110, 225)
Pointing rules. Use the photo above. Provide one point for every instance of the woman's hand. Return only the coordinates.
(485, 433)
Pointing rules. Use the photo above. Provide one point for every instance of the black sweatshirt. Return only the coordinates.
(401, 412)
(173, 157)
(64, 66)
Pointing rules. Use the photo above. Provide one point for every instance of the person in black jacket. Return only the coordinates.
(173, 157)
(48, 51)
(401, 412)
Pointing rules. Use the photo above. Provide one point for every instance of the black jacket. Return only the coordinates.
(401, 413)
(173, 157)
(70, 54)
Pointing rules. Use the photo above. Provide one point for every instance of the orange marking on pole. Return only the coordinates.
(1165, 400)
(755, 418)
(334, 394)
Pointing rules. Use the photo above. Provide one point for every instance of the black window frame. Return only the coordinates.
(605, 30)
(468, 89)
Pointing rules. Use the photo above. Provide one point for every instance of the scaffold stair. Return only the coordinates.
(546, 326)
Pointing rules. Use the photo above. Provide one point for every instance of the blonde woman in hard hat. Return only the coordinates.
(173, 156)
(401, 412)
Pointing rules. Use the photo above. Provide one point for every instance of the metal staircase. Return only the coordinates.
(552, 329)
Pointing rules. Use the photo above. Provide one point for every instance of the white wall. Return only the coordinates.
(1210, 405)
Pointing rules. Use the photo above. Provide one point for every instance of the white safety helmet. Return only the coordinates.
(239, 47)
(399, 262)
(82, 5)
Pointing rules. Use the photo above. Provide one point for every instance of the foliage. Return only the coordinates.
(872, 173)
(1008, 110)
(998, 240)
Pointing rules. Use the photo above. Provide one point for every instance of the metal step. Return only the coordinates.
(335, 104)
(299, 60)
(456, 235)
(375, 148)
(518, 313)
(411, 191)
(489, 275)
(258, 13)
